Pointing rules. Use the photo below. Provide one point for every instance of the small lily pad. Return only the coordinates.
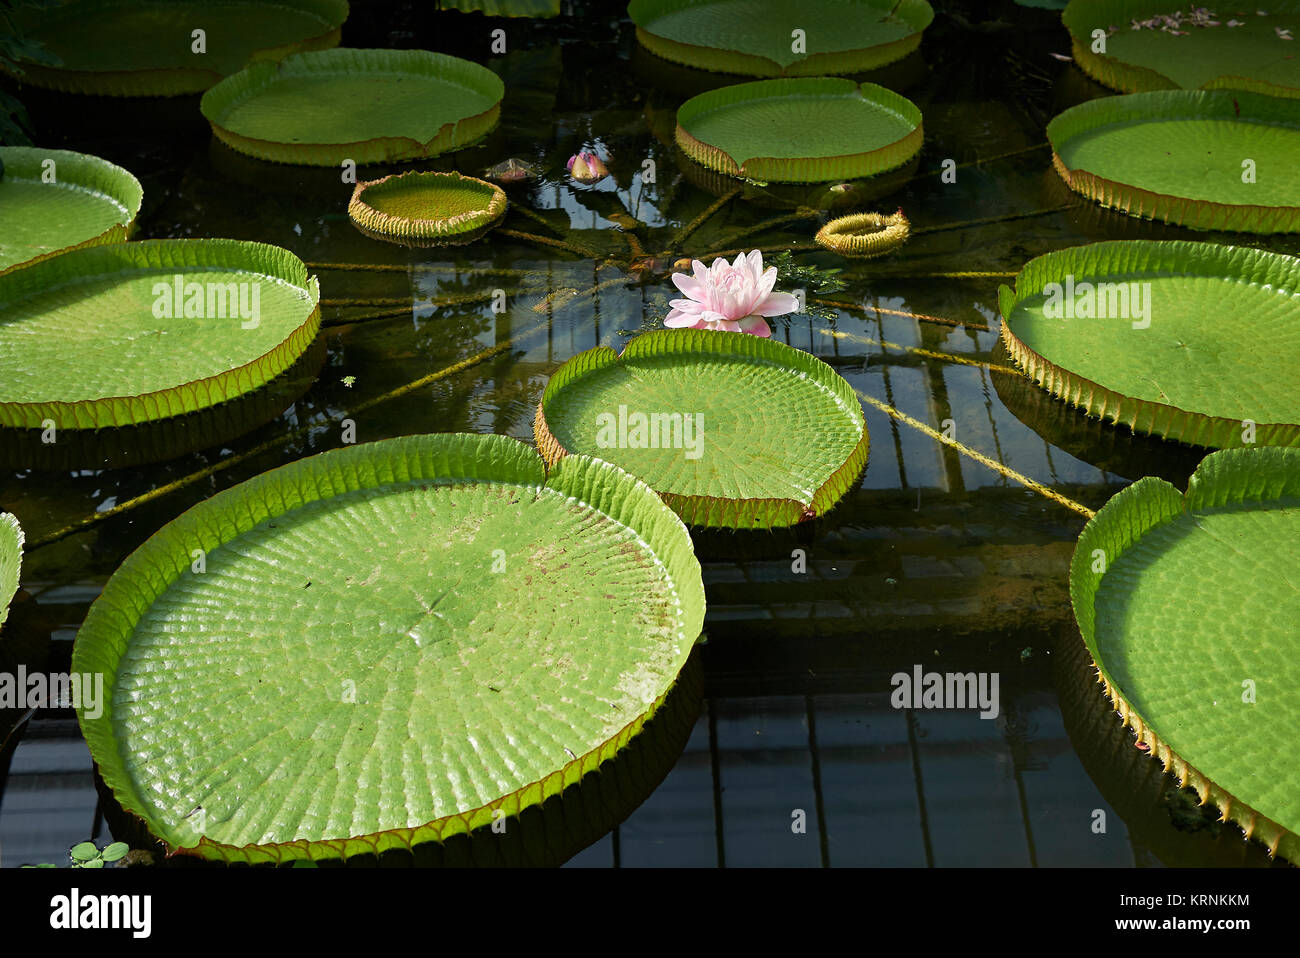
(732, 430)
(800, 131)
(423, 207)
(865, 235)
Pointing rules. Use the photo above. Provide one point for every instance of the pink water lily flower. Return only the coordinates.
(729, 296)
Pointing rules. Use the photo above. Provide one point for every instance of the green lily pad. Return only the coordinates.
(765, 435)
(52, 201)
(426, 207)
(11, 561)
(148, 47)
(1188, 341)
(93, 338)
(1188, 606)
(757, 38)
(1208, 159)
(800, 131)
(1141, 54)
(368, 106)
(84, 851)
(387, 644)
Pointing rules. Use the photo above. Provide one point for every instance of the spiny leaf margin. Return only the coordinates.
(1226, 479)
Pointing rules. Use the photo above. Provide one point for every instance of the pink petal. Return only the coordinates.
(777, 304)
(688, 285)
(756, 326)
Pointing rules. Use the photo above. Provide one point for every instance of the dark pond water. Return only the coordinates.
(938, 558)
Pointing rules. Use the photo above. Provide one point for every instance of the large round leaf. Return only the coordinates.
(1188, 606)
(758, 38)
(800, 131)
(56, 200)
(151, 48)
(1189, 341)
(121, 334)
(368, 106)
(385, 644)
(1164, 44)
(732, 430)
(1205, 159)
(11, 560)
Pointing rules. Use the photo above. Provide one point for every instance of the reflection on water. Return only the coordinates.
(797, 755)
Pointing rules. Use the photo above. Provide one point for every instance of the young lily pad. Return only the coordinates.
(1208, 159)
(368, 106)
(426, 207)
(732, 430)
(11, 560)
(149, 47)
(800, 131)
(131, 332)
(1188, 606)
(865, 235)
(56, 200)
(386, 644)
(758, 38)
(1188, 341)
(1163, 44)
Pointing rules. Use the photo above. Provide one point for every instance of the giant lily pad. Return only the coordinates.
(732, 430)
(149, 47)
(1209, 159)
(758, 38)
(1189, 341)
(426, 207)
(385, 644)
(122, 334)
(800, 131)
(11, 560)
(368, 106)
(1164, 44)
(1188, 606)
(56, 200)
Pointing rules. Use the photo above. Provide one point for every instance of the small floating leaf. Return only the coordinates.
(865, 235)
(84, 851)
(425, 206)
(115, 851)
